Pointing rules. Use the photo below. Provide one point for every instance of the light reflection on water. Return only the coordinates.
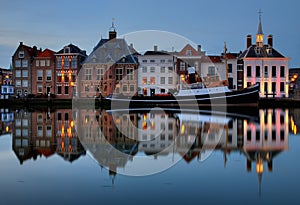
(72, 156)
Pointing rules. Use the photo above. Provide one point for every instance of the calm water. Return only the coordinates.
(77, 156)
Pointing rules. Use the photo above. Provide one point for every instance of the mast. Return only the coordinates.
(226, 64)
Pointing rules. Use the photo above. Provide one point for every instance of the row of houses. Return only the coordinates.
(115, 67)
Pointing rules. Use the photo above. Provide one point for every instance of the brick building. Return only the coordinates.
(42, 73)
(68, 63)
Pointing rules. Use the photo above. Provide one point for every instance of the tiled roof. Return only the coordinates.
(47, 53)
(112, 51)
(261, 52)
(156, 53)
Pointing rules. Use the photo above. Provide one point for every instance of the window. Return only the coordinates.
(48, 75)
(66, 116)
(86, 88)
(21, 54)
(124, 88)
(182, 66)
(39, 88)
(39, 118)
(211, 71)
(257, 71)
(18, 63)
(59, 116)
(25, 83)
(144, 69)
(58, 77)
(152, 80)
(144, 61)
(170, 69)
(188, 53)
(152, 61)
(24, 63)
(266, 72)
(48, 131)
(162, 60)
(66, 78)
(37, 63)
(273, 71)
(48, 63)
(162, 69)
(66, 62)
(162, 80)
(152, 69)
(42, 63)
(273, 86)
(58, 63)
(99, 74)
(229, 68)
(266, 87)
(59, 89)
(18, 83)
(39, 75)
(39, 131)
(144, 79)
(18, 73)
(119, 73)
(131, 88)
(74, 62)
(66, 90)
(170, 80)
(88, 74)
(281, 86)
(282, 71)
(129, 73)
(248, 71)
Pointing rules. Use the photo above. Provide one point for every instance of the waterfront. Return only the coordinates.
(76, 156)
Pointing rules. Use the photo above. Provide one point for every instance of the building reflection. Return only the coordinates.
(45, 133)
(115, 138)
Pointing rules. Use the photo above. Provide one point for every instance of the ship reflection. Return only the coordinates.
(117, 140)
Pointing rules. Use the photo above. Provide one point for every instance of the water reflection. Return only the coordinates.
(118, 140)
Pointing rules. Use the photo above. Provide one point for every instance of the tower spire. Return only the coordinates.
(259, 30)
(260, 34)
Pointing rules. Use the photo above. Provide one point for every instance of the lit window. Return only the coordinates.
(144, 80)
(152, 80)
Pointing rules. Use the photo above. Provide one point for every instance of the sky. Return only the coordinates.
(56, 23)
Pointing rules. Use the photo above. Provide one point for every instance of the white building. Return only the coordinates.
(156, 73)
(264, 65)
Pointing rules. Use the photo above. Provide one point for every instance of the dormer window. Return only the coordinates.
(269, 50)
(257, 50)
(66, 49)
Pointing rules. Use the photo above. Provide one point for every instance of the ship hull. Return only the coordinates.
(243, 97)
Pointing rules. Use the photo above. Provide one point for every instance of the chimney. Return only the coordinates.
(131, 45)
(249, 41)
(270, 40)
(155, 47)
(21, 43)
(199, 48)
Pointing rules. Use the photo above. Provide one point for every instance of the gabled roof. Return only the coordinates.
(73, 49)
(47, 53)
(211, 59)
(194, 52)
(266, 51)
(112, 51)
